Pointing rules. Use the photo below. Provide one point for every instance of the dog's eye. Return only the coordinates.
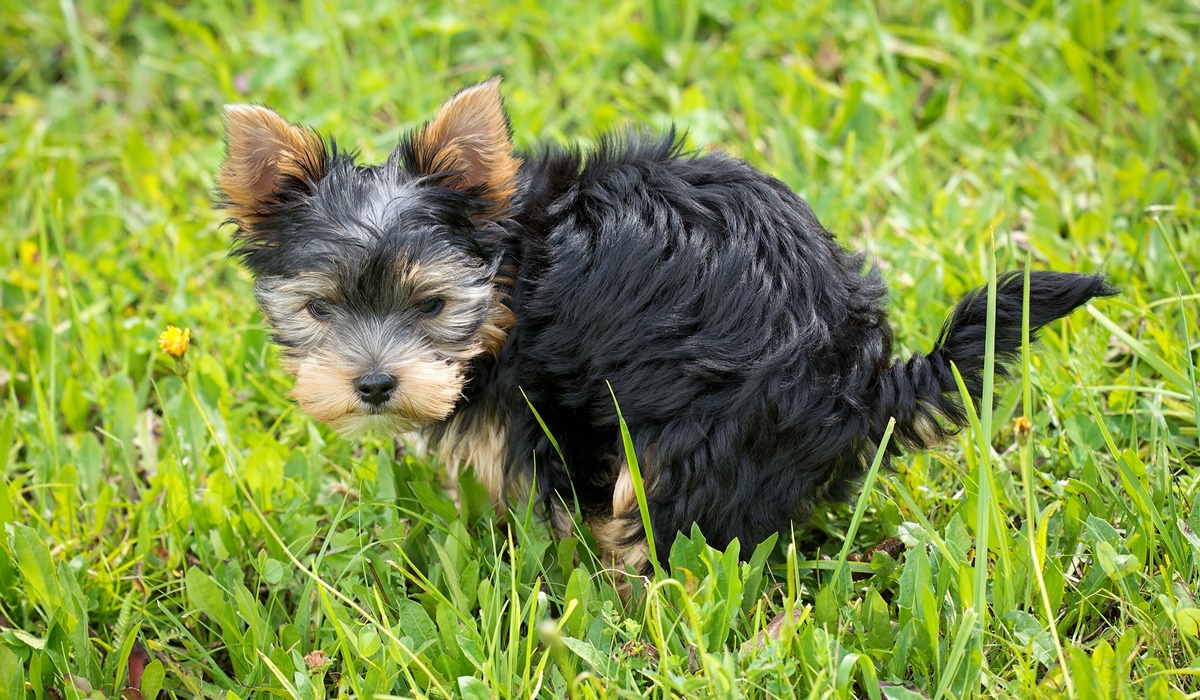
(429, 307)
(319, 309)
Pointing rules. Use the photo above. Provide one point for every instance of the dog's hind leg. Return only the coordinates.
(560, 518)
(621, 536)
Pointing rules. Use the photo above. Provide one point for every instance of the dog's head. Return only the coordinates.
(379, 282)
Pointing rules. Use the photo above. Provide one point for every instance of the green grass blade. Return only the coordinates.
(639, 487)
(860, 509)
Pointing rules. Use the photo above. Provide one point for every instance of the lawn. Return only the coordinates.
(178, 529)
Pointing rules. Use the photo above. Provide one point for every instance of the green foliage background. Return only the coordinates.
(201, 528)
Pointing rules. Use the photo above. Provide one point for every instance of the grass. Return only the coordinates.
(194, 536)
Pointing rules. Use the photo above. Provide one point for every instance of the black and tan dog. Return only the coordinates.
(749, 352)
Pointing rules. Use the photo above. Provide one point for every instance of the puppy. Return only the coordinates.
(459, 283)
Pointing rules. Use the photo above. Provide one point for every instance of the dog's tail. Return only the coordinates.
(922, 394)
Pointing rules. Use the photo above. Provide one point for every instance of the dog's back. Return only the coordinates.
(740, 340)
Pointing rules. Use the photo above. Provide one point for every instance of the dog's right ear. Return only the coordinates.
(267, 161)
(469, 137)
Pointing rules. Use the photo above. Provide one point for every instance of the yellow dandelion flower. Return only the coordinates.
(1022, 427)
(174, 341)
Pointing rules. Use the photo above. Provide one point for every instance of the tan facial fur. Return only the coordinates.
(328, 356)
(428, 387)
(427, 390)
(283, 301)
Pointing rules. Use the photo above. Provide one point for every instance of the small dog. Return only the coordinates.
(441, 291)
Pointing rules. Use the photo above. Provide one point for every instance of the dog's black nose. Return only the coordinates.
(375, 388)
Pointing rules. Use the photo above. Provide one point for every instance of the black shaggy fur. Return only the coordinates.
(750, 353)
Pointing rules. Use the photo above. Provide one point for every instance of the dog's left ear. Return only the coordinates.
(470, 136)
